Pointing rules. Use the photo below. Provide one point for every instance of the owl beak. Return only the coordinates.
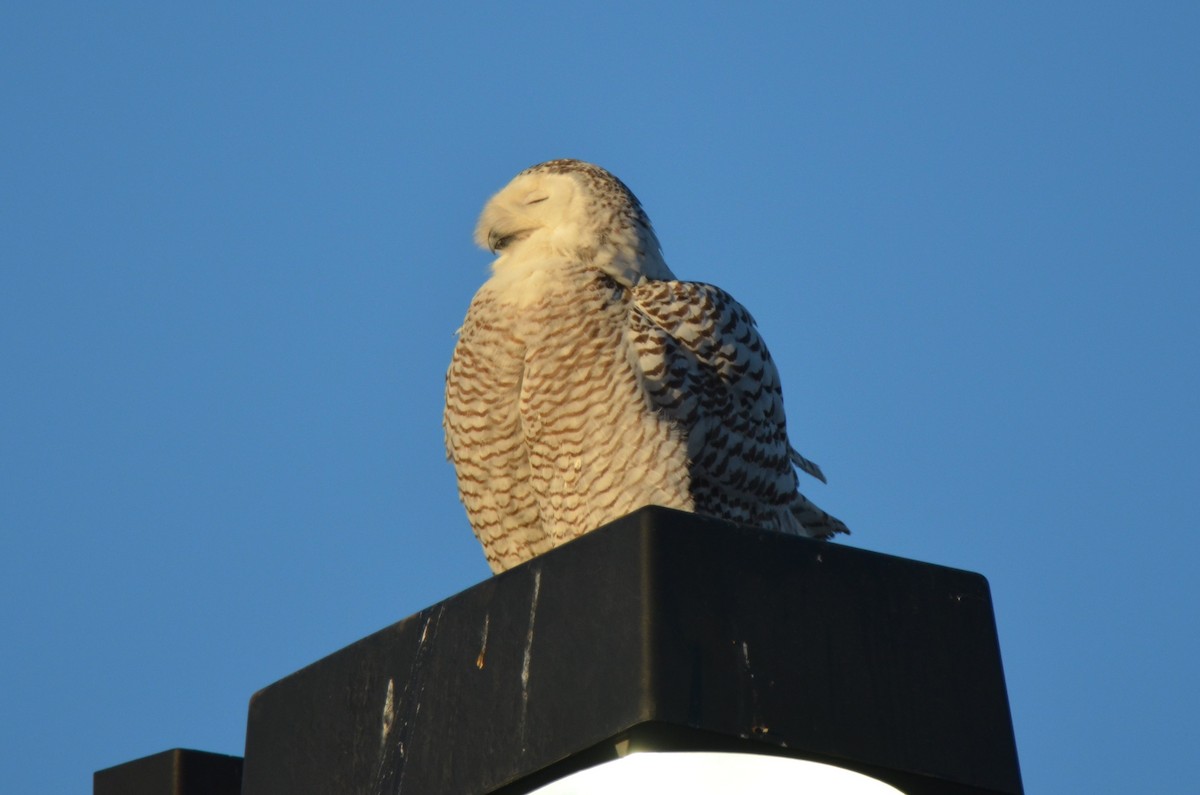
(497, 240)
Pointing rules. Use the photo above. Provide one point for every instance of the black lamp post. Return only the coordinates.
(661, 645)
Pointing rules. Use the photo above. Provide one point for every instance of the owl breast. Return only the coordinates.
(548, 420)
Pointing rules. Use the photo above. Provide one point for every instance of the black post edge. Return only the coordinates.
(670, 628)
(179, 771)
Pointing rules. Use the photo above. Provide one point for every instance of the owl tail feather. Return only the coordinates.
(807, 466)
(816, 523)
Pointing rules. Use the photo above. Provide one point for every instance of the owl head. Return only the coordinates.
(573, 211)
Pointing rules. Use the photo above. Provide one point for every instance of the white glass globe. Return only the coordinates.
(703, 773)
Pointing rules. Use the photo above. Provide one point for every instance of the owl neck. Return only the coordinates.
(526, 275)
(630, 265)
(628, 251)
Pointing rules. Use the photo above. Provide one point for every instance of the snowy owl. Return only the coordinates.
(588, 382)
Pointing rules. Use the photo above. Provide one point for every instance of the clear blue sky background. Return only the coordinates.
(235, 243)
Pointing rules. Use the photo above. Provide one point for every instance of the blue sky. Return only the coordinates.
(235, 243)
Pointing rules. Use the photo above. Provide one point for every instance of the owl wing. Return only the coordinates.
(705, 366)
